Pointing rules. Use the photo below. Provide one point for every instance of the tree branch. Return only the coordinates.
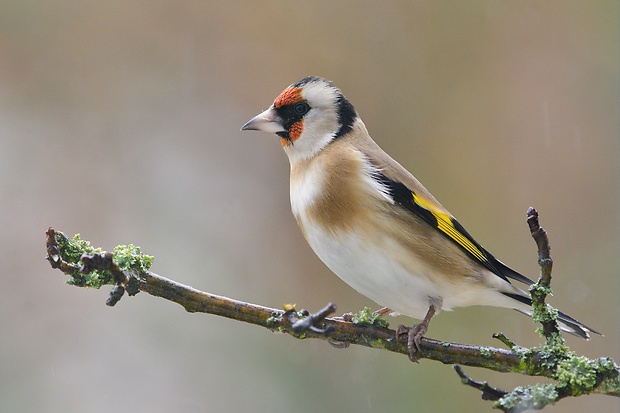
(127, 269)
(539, 291)
(97, 263)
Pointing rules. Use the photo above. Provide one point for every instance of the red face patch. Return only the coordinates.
(294, 133)
(288, 97)
(296, 129)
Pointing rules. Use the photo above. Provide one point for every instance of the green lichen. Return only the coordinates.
(538, 293)
(273, 320)
(367, 317)
(127, 257)
(72, 249)
(533, 397)
(486, 352)
(378, 343)
(521, 351)
(544, 314)
(527, 364)
(575, 375)
(301, 336)
(540, 290)
(555, 346)
(578, 374)
(534, 361)
(605, 365)
(94, 279)
(608, 373)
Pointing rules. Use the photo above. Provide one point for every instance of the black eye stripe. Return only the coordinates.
(293, 113)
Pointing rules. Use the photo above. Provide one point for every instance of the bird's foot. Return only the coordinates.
(414, 336)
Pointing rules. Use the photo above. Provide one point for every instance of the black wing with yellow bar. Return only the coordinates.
(449, 227)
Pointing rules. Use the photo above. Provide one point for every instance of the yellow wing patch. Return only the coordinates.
(446, 225)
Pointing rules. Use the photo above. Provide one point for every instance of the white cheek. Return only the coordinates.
(319, 128)
(321, 121)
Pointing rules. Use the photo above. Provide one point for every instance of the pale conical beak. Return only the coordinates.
(268, 121)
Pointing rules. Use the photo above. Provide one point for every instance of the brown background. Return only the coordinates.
(120, 120)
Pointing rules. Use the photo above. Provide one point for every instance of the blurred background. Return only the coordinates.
(120, 120)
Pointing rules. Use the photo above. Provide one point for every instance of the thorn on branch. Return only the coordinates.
(312, 320)
(488, 392)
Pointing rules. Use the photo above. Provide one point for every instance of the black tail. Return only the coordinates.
(566, 322)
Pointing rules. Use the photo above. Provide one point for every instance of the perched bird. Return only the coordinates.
(374, 224)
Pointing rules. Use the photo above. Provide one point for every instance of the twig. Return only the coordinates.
(539, 291)
(488, 392)
(310, 321)
(502, 337)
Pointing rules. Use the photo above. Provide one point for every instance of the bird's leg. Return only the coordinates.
(415, 333)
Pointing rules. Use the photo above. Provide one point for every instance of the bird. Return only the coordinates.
(374, 224)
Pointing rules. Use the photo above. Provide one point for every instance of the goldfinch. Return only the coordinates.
(374, 224)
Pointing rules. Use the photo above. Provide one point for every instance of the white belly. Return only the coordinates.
(372, 268)
(366, 268)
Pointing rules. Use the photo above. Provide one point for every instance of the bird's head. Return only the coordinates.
(307, 116)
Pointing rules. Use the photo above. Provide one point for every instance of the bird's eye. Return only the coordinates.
(301, 108)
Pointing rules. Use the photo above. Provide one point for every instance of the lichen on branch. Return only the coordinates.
(73, 252)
